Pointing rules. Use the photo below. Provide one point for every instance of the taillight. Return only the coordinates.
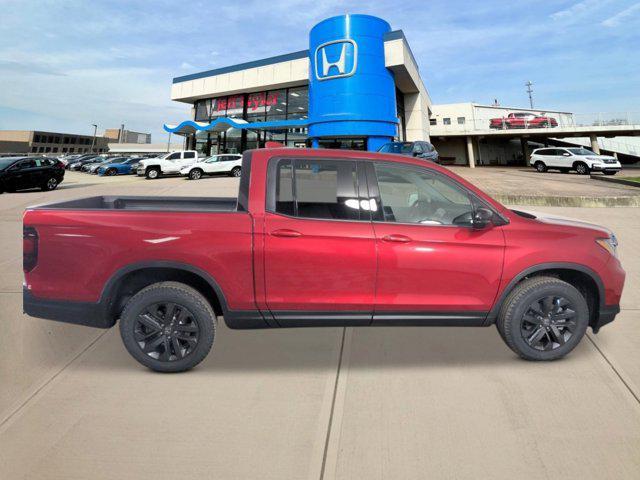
(29, 248)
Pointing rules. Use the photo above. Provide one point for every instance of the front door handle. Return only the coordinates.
(285, 232)
(396, 238)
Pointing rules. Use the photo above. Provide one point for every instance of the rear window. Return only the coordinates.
(321, 189)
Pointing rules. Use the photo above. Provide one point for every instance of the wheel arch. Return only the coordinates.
(130, 279)
(586, 280)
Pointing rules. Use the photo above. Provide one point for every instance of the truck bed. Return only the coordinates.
(142, 203)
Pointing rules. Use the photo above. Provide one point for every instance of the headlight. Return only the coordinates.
(609, 244)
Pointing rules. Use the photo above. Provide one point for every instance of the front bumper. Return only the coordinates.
(606, 167)
(606, 315)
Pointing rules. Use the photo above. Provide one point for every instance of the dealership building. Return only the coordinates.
(358, 86)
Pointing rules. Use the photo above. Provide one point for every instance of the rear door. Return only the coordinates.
(433, 267)
(319, 247)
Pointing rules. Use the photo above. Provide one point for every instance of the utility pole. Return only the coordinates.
(169, 142)
(529, 84)
(95, 130)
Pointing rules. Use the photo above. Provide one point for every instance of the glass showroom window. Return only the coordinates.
(203, 110)
(256, 106)
(298, 104)
(276, 105)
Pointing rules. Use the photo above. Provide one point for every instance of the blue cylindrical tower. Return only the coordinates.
(351, 92)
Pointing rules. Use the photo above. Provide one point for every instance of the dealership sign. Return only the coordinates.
(336, 59)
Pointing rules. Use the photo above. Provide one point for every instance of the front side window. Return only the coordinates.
(322, 189)
(173, 156)
(413, 195)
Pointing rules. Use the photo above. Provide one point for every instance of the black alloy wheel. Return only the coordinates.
(111, 172)
(541, 167)
(166, 331)
(168, 327)
(236, 172)
(548, 323)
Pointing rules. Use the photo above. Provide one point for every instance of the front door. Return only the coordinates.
(319, 247)
(433, 267)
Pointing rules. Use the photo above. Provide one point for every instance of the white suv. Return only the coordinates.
(579, 159)
(230, 164)
(167, 164)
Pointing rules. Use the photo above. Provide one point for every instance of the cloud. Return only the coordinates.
(187, 66)
(616, 19)
(576, 9)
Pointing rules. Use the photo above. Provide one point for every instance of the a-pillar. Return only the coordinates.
(594, 144)
(525, 150)
(470, 154)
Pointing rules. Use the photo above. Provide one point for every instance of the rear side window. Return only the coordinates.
(190, 155)
(322, 189)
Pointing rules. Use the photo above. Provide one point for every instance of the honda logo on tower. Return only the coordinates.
(336, 59)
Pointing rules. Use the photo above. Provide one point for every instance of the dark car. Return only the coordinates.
(95, 159)
(21, 173)
(79, 158)
(411, 149)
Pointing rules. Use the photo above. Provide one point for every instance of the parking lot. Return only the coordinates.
(326, 403)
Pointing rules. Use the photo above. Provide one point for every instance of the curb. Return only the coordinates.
(621, 181)
(577, 201)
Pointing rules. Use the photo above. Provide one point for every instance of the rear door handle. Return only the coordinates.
(285, 232)
(396, 238)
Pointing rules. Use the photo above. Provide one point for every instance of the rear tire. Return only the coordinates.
(540, 166)
(168, 327)
(543, 318)
(51, 184)
(582, 168)
(236, 172)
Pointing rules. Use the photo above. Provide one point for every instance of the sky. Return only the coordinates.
(65, 65)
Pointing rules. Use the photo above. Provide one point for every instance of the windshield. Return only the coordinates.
(5, 162)
(580, 151)
(397, 147)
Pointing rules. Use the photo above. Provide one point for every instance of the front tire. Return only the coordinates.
(540, 167)
(543, 318)
(152, 173)
(195, 174)
(168, 327)
(111, 172)
(582, 168)
(236, 172)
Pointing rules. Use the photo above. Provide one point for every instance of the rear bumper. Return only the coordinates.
(79, 313)
(606, 315)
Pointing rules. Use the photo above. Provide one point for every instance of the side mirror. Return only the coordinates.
(566, 154)
(482, 217)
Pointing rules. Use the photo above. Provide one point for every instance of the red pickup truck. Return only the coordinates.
(318, 238)
(523, 120)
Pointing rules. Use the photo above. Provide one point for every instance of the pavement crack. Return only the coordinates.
(615, 370)
(333, 405)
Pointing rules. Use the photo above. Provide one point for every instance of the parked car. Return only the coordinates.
(77, 166)
(122, 167)
(523, 120)
(229, 164)
(319, 238)
(412, 149)
(167, 164)
(579, 159)
(93, 167)
(77, 158)
(94, 161)
(22, 173)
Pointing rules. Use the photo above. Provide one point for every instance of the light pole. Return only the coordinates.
(95, 130)
(529, 84)
(169, 142)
